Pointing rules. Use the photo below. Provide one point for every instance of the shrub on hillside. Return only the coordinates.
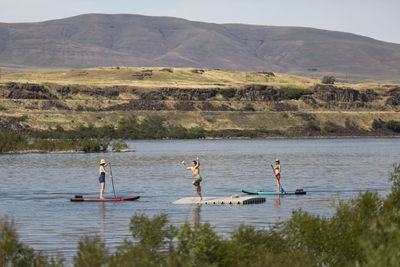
(393, 125)
(295, 93)
(313, 126)
(376, 124)
(249, 107)
(328, 79)
(328, 128)
(227, 93)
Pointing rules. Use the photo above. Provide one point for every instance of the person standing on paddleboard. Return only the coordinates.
(102, 177)
(277, 170)
(196, 174)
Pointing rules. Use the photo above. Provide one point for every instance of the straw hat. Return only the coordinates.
(103, 161)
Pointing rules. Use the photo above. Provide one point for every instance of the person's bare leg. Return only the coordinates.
(102, 185)
(198, 189)
(277, 185)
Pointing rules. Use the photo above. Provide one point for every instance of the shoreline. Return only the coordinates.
(298, 137)
(61, 152)
(206, 138)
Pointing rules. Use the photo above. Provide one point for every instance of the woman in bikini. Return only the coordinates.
(277, 170)
(102, 177)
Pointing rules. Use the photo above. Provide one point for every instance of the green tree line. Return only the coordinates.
(10, 142)
(151, 127)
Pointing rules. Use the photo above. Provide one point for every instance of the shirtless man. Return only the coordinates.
(277, 170)
(196, 174)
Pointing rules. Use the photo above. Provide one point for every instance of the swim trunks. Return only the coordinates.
(278, 176)
(102, 177)
(197, 181)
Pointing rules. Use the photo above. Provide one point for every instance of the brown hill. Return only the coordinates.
(133, 40)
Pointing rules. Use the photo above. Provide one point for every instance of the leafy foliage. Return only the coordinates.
(377, 124)
(227, 93)
(91, 252)
(393, 125)
(295, 93)
(328, 79)
(328, 128)
(312, 125)
(118, 145)
(15, 253)
(12, 142)
(249, 107)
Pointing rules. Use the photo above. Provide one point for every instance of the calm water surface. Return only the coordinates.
(35, 188)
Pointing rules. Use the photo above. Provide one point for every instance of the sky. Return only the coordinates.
(378, 19)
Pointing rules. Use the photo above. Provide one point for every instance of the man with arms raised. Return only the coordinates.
(196, 174)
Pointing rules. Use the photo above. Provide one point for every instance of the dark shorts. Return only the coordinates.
(278, 176)
(102, 179)
(197, 181)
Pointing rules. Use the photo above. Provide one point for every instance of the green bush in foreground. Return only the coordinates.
(362, 232)
(15, 253)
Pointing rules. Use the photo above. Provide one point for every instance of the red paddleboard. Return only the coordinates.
(80, 199)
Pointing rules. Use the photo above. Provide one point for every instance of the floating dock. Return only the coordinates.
(221, 201)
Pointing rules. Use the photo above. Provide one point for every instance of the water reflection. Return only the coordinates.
(196, 215)
(102, 221)
(278, 208)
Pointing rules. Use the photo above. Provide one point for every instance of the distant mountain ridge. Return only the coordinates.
(135, 40)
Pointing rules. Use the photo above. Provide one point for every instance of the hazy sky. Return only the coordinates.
(378, 19)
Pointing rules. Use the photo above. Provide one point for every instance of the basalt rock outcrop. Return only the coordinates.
(25, 91)
(343, 97)
(139, 105)
(108, 92)
(260, 93)
(13, 124)
(179, 94)
(394, 97)
(329, 93)
(126, 98)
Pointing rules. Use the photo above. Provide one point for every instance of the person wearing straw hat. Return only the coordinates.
(102, 177)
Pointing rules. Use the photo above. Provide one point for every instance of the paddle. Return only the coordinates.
(112, 180)
(277, 179)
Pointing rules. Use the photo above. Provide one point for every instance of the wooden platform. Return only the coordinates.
(221, 201)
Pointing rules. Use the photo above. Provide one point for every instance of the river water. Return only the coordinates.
(35, 188)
